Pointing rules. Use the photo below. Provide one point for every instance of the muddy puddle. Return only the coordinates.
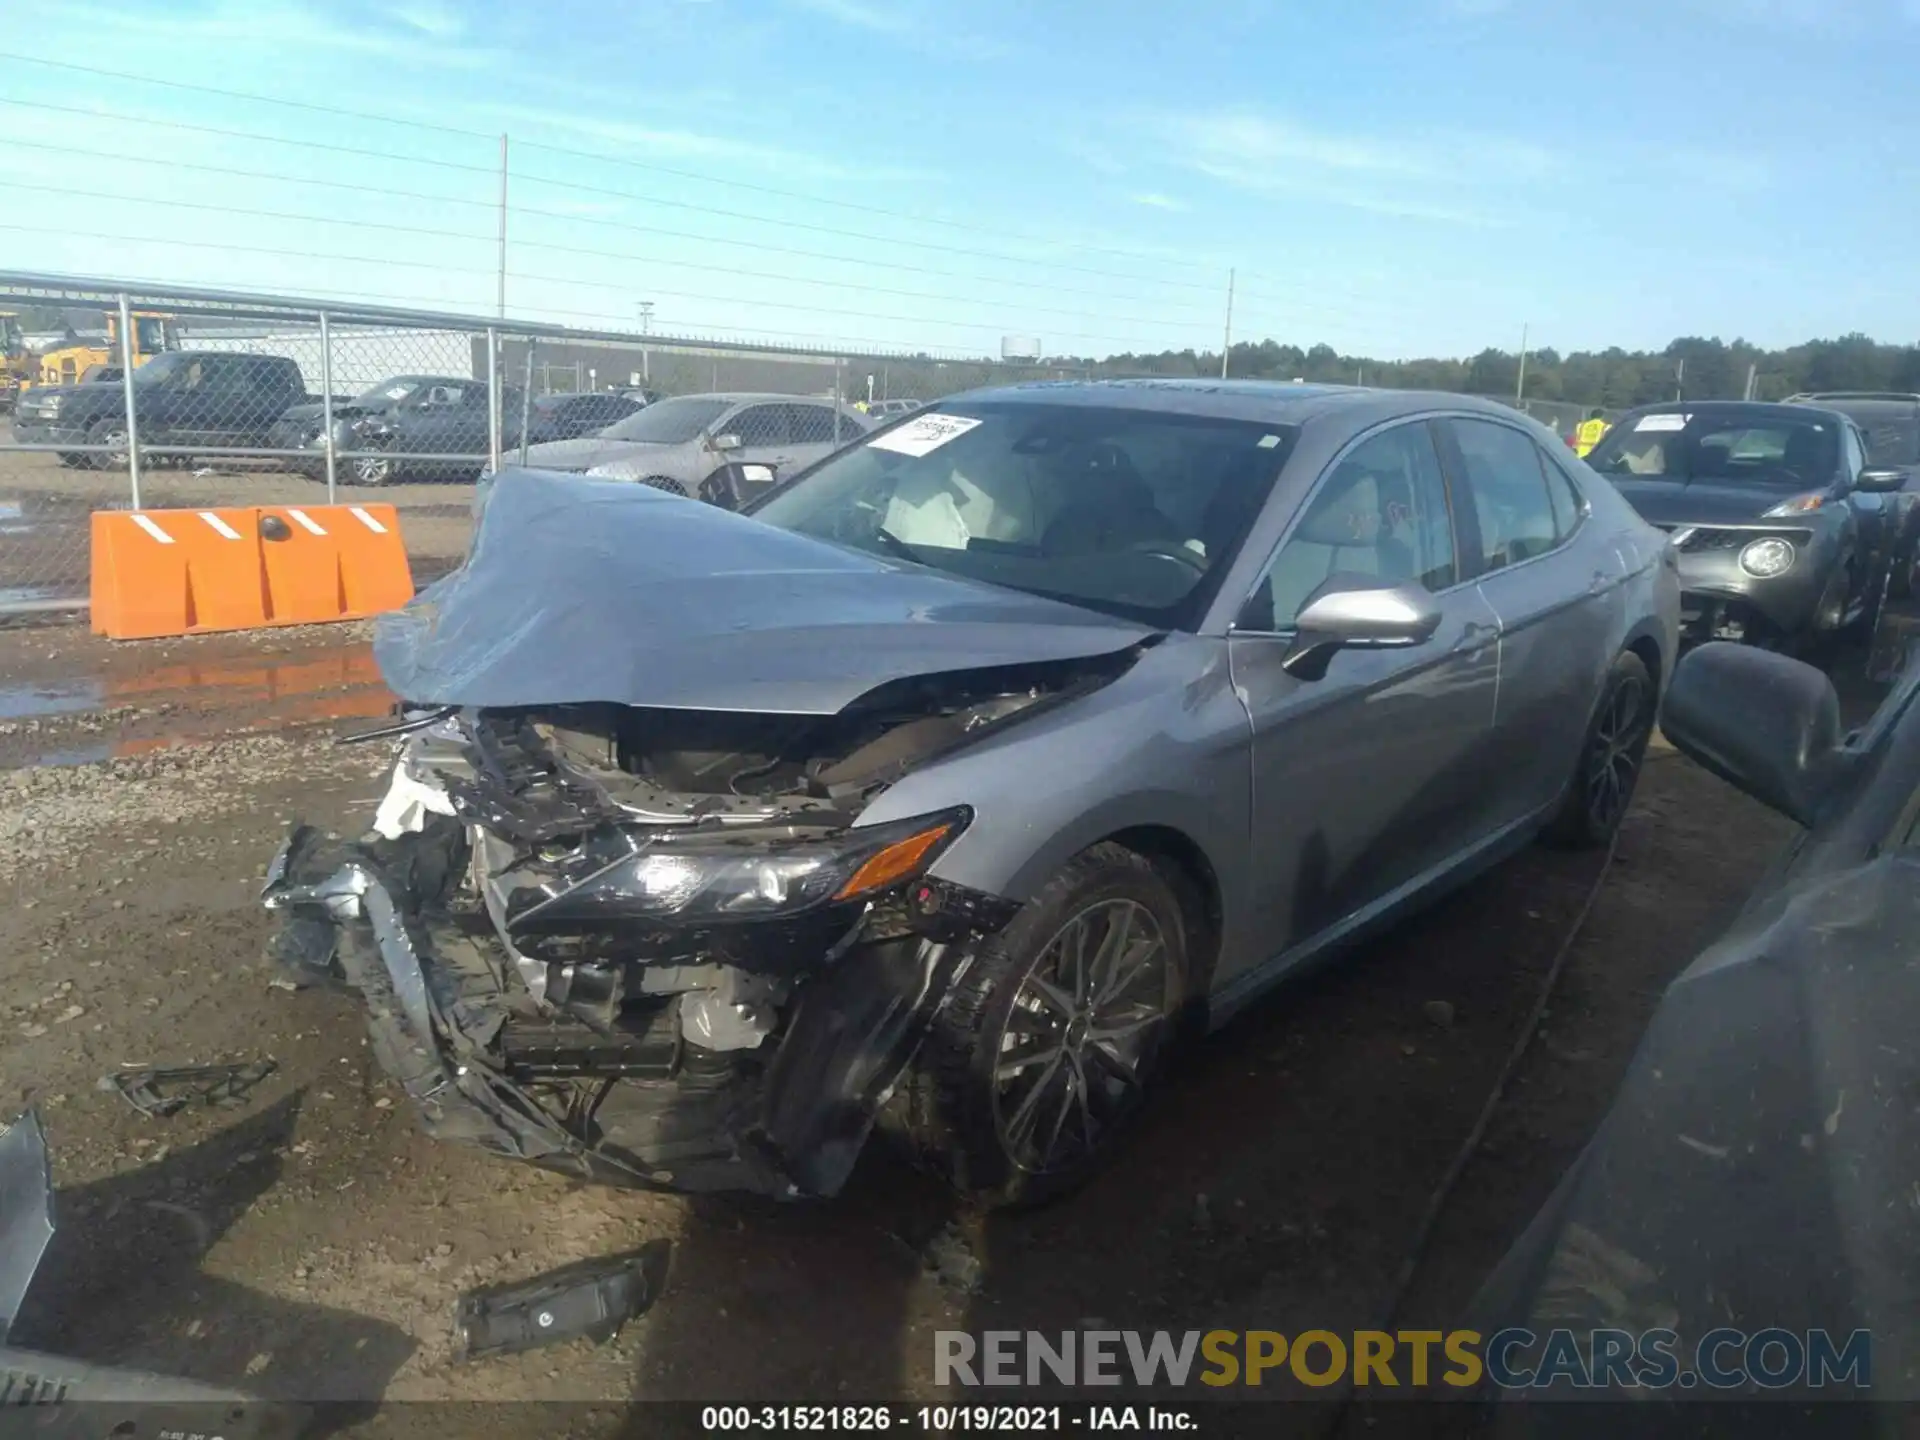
(124, 709)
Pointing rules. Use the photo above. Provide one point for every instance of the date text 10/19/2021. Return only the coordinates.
(945, 1419)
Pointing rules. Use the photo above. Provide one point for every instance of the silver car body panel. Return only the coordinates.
(1317, 807)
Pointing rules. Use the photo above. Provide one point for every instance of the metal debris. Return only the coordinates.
(157, 1093)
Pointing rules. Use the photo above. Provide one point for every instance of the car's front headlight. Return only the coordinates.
(1798, 505)
(51, 405)
(733, 876)
(1765, 558)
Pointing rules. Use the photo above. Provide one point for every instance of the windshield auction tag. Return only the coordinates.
(1662, 422)
(923, 434)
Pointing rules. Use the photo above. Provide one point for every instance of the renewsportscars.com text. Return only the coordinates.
(1726, 1359)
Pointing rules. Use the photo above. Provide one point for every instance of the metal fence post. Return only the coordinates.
(493, 395)
(326, 399)
(526, 402)
(126, 388)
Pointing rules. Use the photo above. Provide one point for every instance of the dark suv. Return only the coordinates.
(181, 398)
(1890, 422)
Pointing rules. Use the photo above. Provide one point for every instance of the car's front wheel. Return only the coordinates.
(1610, 757)
(370, 470)
(1040, 1061)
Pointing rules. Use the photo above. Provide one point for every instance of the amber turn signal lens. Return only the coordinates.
(897, 861)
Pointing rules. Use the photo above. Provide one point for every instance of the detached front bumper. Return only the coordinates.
(486, 1064)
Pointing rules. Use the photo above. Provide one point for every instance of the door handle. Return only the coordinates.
(1474, 637)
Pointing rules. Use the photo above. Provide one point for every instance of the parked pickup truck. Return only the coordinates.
(182, 397)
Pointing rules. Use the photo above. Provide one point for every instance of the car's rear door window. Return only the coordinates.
(1505, 475)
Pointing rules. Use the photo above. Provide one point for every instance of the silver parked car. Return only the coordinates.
(959, 778)
(685, 444)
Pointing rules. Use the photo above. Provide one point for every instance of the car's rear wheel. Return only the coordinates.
(1042, 1058)
(1610, 757)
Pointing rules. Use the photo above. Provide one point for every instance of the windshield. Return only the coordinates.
(159, 369)
(1892, 431)
(387, 391)
(1132, 513)
(1724, 449)
(670, 422)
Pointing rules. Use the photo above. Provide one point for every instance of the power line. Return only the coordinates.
(596, 156)
(238, 210)
(450, 269)
(492, 172)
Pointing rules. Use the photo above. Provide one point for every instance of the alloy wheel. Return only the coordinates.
(1620, 735)
(372, 470)
(1080, 1036)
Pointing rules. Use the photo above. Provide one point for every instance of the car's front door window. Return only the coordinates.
(758, 426)
(1380, 517)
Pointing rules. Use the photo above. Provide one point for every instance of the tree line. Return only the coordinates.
(1688, 368)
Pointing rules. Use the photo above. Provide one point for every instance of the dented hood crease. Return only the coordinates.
(576, 591)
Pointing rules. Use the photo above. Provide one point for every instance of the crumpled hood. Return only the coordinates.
(577, 591)
(317, 411)
(590, 450)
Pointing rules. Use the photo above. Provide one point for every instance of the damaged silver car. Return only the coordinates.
(966, 774)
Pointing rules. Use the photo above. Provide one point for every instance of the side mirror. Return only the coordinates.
(1766, 724)
(1390, 617)
(1881, 482)
(726, 442)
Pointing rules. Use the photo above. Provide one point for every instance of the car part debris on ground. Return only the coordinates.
(160, 1092)
(589, 1300)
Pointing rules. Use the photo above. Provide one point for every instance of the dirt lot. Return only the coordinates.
(311, 1244)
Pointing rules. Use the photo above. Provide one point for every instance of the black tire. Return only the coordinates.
(1615, 744)
(958, 1117)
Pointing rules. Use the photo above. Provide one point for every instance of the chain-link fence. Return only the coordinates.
(196, 399)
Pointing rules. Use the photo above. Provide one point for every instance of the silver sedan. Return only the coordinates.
(969, 771)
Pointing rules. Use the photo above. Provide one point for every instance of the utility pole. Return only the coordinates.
(646, 328)
(1680, 379)
(1226, 344)
(1753, 372)
(1520, 385)
(502, 300)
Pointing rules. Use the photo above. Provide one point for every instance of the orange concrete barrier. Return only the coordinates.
(181, 572)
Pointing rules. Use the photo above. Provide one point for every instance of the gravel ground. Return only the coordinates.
(311, 1242)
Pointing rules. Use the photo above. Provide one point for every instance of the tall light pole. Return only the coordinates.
(1520, 385)
(646, 328)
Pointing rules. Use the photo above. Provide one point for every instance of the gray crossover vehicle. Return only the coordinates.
(1785, 533)
(965, 774)
(687, 443)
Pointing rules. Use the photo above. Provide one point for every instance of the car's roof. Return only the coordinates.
(1755, 410)
(740, 397)
(1277, 401)
(1860, 402)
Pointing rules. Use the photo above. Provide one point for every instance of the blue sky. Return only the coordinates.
(1394, 177)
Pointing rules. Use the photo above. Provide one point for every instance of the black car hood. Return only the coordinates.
(1702, 502)
(1758, 1168)
(581, 591)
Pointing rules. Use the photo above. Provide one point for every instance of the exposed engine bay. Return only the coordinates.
(653, 946)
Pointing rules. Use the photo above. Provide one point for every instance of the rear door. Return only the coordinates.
(814, 437)
(1552, 581)
(1368, 779)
